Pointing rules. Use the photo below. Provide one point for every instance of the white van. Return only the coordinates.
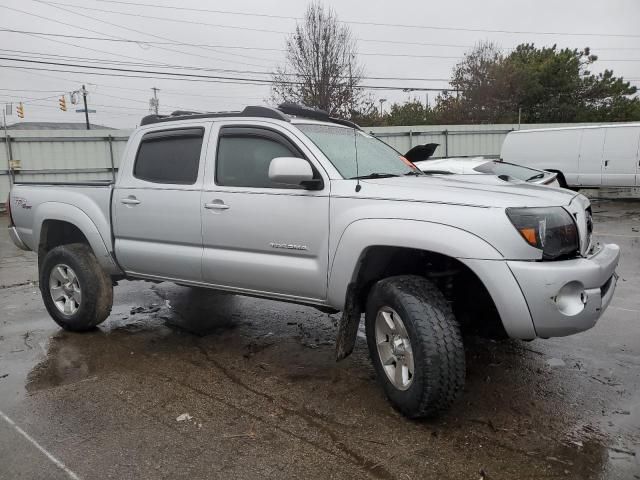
(589, 156)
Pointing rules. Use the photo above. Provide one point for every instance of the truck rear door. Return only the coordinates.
(156, 204)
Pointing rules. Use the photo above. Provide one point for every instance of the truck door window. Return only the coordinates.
(169, 156)
(244, 155)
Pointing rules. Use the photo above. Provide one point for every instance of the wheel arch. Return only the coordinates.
(371, 240)
(59, 223)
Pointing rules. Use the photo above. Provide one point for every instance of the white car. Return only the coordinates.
(480, 165)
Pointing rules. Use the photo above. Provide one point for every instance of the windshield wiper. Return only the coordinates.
(437, 172)
(374, 175)
(536, 177)
(414, 173)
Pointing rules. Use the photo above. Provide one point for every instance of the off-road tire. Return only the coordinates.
(436, 341)
(97, 290)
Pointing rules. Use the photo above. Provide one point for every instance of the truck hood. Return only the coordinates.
(476, 190)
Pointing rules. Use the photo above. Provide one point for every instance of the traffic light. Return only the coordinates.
(63, 103)
(20, 110)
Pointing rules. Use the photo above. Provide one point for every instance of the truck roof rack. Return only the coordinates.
(297, 110)
(251, 111)
(283, 112)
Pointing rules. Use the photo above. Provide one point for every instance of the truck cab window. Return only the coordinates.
(243, 160)
(171, 156)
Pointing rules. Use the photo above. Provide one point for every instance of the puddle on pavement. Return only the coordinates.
(513, 402)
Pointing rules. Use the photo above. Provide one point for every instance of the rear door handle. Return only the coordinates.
(130, 200)
(216, 205)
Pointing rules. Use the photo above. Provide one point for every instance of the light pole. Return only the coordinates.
(382, 100)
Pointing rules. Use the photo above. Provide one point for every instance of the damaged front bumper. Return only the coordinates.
(568, 296)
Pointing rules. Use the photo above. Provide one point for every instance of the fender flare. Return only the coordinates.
(71, 214)
(477, 254)
(417, 234)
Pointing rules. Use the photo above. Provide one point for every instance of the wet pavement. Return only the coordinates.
(186, 383)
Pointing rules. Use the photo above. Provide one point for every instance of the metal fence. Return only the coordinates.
(456, 140)
(59, 155)
(71, 155)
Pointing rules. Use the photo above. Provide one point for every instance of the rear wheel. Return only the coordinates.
(415, 345)
(76, 292)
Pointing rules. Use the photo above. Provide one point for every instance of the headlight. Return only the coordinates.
(553, 230)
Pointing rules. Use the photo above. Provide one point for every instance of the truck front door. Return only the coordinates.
(156, 205)
(259, 236)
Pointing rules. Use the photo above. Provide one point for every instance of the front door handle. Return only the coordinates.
(216, 205)
(130, 200)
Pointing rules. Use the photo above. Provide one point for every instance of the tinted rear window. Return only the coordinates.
(169, 157)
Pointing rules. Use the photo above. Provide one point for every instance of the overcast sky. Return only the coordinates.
(609, 27)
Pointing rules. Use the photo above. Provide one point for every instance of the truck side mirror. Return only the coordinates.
(290, 171)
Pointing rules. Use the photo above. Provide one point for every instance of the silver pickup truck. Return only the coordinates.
(291, 204)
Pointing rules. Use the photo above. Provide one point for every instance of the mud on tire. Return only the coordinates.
(435, 343)
(96, 296)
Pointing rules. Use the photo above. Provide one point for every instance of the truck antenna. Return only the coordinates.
(355, 146)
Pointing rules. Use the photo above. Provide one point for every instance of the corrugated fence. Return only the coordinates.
(71, 155)
(59, 155)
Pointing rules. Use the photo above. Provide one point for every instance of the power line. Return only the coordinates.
(30, 99)
(106, 108)
(117, 37)
(26, 90)
(69, 25)
(450, 57)
(192, 76)
(116, 87)
(352, 22)
(150, 35)
(139, 15)
(240, 47)
(42, 55)
(141, 42)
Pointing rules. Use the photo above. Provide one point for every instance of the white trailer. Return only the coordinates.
(591, 156)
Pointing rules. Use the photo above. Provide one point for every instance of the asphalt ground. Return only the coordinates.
(188, 383)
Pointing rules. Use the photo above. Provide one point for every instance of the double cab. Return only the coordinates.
(291, 204)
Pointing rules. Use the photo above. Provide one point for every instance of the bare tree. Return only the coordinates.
(321, 69)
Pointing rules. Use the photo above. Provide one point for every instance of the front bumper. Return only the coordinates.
(568, 296)
(15, 238)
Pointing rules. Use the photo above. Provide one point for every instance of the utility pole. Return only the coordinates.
(86, 109)
(154, 103)
(7, 108)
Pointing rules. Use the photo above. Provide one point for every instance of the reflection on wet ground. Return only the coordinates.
(264, 397)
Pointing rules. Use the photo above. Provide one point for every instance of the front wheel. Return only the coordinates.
(415, 345)
(77, 293)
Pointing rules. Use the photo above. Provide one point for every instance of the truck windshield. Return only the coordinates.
(375, 158)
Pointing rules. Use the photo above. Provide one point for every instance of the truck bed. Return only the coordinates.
(33, 202)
